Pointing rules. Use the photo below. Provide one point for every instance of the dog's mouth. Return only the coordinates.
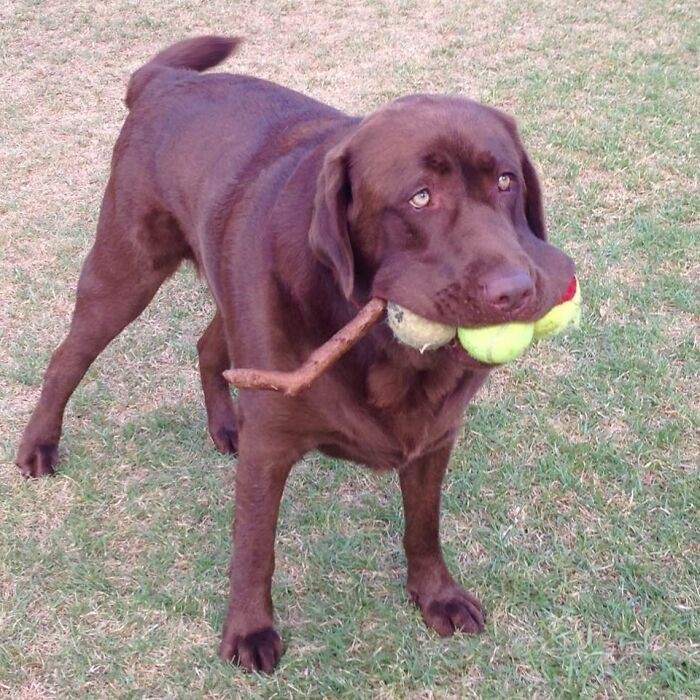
(429, 337)
(469, 344)
(425, 334)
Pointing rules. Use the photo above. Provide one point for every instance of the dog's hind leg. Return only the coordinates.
(213, 360)
(118, 280)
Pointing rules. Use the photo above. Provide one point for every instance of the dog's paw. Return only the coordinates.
(37, 460)
(226, 439)
(452, 611)
(258, 651)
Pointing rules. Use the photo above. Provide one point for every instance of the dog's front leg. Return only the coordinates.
(249, 638)
(445, 606)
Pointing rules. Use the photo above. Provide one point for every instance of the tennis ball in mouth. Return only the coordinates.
(498, 344)
(416, 331)
(566, 313)
(492, 345)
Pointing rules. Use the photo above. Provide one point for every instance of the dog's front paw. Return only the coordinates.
(36, 460)
(451, 610)
(258, 651)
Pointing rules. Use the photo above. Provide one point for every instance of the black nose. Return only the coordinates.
(507, 291)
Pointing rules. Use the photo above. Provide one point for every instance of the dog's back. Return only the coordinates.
(193, 144)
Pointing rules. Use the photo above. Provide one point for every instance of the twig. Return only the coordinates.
(293, 383)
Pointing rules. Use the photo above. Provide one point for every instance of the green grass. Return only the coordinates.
(571, 503)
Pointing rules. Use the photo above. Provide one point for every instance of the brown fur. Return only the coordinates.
(296, 214)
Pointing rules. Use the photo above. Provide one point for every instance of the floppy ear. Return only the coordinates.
(329, 236)
(534, 212)
(533, 199)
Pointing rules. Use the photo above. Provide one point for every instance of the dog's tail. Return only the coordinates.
(196, 54)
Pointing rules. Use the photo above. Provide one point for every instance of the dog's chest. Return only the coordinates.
(363, 439)
(389, 436)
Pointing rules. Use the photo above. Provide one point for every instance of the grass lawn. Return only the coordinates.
(571, 506)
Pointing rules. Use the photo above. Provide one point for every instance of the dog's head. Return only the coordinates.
(433, 203)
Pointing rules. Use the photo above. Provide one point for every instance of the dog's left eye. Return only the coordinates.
(504, 182)
(420, 199)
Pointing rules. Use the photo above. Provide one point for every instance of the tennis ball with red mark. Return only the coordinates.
(566, 313)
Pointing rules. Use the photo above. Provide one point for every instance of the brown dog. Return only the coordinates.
(296, 214)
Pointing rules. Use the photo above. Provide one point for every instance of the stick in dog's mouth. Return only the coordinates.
(293, 383)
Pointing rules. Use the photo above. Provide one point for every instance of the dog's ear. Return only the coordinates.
(329, 235)
(534, 211)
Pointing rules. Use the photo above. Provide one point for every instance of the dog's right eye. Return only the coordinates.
(420, 199)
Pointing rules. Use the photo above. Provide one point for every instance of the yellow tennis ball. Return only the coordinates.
(563, 315)
(416, 331)
(495, 345)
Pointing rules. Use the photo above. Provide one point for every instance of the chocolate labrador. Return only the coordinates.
(296, 214)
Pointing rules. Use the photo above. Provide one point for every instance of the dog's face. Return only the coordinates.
(433, 203)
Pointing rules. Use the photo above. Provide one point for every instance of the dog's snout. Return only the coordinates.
(507, 291)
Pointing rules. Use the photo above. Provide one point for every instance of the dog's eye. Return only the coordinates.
(504, 182)
(420, 199)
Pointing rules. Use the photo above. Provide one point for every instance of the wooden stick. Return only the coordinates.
(293, 383)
